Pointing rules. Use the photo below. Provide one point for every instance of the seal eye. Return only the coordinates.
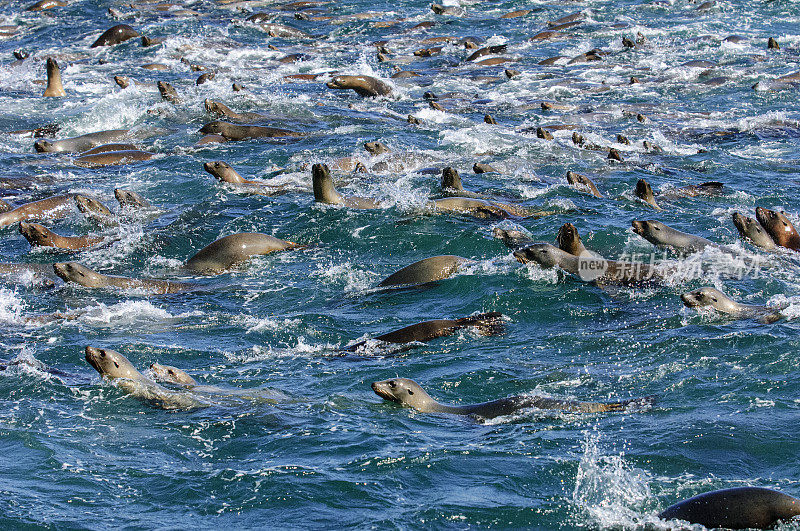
(116, 365)
(410, 391)
(392, 384)
(656, 227)
(102, 353)
(714, 299)
(170, 372)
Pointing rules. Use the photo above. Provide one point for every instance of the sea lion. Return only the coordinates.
(409, 393)
(481, 167)
(487, 50)
(583, 183)
(105, 148)
(710, 188)
(514, 239)
(659, 234)
(93, 209)
(115, 35)
(168, 92)
(779, 228)
(244, 132)
(366, 86)
(80, 274)
(451, 184)
(426, 270)
(569, 240)
(168, 373)
(325, 192)
(234, 248)
(41, 5)
(645, 193)
(736, 508)
(485, 209)
(589, 268)
(487, 324)
(225, 173)
(376, 148)
(114, 366)
(221, 109)
(130, 199)
(40, 235)
(55, 207)
(714, 298)
(81, 143)
(112, 158)
(54, 87)
(752, 230)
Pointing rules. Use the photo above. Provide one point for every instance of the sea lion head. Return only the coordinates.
(217, 127)
(87, 205)
(705, 297)
(376, 148)
(78, 273)
(451, 180)
(750, 228)
(403, 391)
(778, 226)
(340, 82)
(111, 363)
(126, 198)
(647, 227)
(645, 193)
(36, 234)
(324, 191)
(223, 171)
(167, 373)
(44, 146)
(544, 254)
(569, 240)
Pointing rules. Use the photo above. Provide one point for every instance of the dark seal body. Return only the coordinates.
(737, 508)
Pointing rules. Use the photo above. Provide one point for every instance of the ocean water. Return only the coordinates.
(80, 452)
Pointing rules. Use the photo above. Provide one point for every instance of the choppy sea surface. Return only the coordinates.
(79, 452)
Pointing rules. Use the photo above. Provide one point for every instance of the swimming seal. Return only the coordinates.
(325, 192)
(174, 375)
(589, 268)
(80, 274)
(583, 183)
(426, 270)
(112, 158)
(569, 240)
(487, 324)
(114, 366)
(659, 234)
(81, 143)
(365, 86)
(752, 230)
(451, 184)
(115, 35)
(130, 199)
(779, 228)
(234, 248)
(376, 148)
(171, 374)
(55, 207)
(410, 394)
(225, 173)
(94, 210)
(168, 92)
(221, 109)
(40, 235)
(737, 508)
(714, 298)
(514, 239)
(645, 193)
(54, 87)
(244, 132)
(105, 148)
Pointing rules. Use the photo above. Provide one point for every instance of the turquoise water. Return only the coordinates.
(78, 452)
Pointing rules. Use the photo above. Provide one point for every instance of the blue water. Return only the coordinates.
(79, 452)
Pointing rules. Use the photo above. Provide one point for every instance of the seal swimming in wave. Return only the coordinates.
(752, 230)
(365, 86)
(55, 207)
(81, 143)
(659, 234)
(229, 250)
(40, 235)
(54, 87)
(80, 274)
(245, 132)
(114, 366)
(589, 268)
(115, 35)
(736, 508)
(410, 394)
(325, 192)
(583, 183)
(485, 323)
(779, 228)
(424, 271)
(714, 298)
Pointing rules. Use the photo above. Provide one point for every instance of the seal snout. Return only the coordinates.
(521, 256)
(691, 299)
(638, 227)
